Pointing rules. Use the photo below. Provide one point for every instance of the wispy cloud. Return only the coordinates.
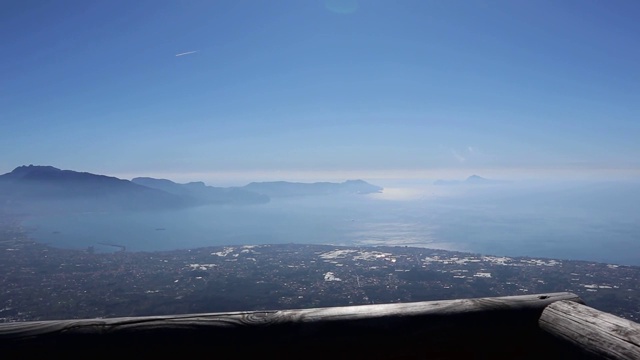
(458, 157)
(187, 53)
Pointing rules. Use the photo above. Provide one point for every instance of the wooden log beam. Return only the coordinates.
(457, 328)
(597, 333)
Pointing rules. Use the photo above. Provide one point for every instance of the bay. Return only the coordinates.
(584, 224)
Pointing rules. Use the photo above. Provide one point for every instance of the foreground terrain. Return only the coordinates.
(39, 282)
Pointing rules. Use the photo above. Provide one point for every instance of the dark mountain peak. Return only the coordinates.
(25, 170)
(68, 180)
(34, 186)
(31, 167)
(53, 174)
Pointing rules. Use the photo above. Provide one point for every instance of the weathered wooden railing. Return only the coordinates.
(501, 327)
(597, 333)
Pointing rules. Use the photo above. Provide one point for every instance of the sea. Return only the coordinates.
(577, 221)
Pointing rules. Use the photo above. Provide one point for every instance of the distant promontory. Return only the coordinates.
(35, 188)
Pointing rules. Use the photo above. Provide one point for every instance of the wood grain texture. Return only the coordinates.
(598, 333)
(493, 326)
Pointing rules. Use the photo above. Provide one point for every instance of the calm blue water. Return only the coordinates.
(310, 220)
(585, 224)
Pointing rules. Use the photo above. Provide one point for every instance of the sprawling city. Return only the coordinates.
(40, 282)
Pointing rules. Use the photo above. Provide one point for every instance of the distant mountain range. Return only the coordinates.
(46, 188)
(471, 180)
(50, 189)
(202, 194)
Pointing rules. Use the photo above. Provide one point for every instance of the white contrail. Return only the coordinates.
(458, 157)
(187, 53)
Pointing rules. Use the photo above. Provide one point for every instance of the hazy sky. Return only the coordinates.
(278, 88)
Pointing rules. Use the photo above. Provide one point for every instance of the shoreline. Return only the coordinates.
(28, 229)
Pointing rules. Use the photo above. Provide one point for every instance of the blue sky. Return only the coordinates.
(329, 89)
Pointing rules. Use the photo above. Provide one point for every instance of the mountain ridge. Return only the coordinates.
(202, 193)
(35, 187)
(46, 186)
